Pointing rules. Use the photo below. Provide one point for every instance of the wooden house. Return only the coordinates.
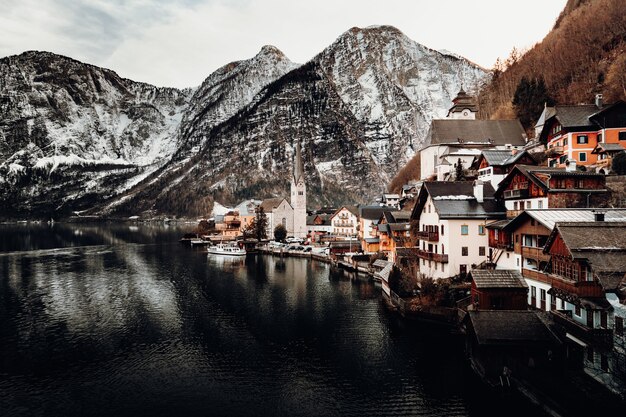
(572, 132)
(494, 165)
(498, 290)
(531, 187)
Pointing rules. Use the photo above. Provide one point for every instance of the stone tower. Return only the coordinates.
(464, 107)
(298, 195)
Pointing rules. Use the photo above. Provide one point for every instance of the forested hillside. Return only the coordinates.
(584, 54)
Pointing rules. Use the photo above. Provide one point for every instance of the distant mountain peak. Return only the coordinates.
(272, 51)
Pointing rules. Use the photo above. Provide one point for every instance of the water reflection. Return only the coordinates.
(118, 320)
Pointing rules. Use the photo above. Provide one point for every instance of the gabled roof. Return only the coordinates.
(455, 199)
(499, 132)
(510, 327)
(576, 115)
(352, 209)
(530, 171)
(498, 278)
(602, 244)
(495, 157)
(373, 212)
(269, 204)
(608, 147)
(549, 217)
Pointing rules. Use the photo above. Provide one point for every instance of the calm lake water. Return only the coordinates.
(119, 320)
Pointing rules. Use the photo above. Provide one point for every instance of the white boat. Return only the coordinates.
(224, 249)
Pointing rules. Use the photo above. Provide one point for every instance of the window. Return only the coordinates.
(284, 222)
(528, 241)
(599, 137)
(442, 230)
(565, 142)
(582, 156)
(562, 159)
(619, 326)
(582, 139)
(542, 294)
(429, 208)
(604, 363)
(481, 251)
(464, 229)
(515, 206)
(517, 261)
(580, 183)
(443, 249)
(622, 135)
(442, 264)
(464, 251)
(528, 204)
(481, 229)
(577, 311)
(300, 192)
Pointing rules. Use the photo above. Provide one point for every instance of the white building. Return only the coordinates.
(278, 211)
(452, 226)
(461, 136)
(345, 221)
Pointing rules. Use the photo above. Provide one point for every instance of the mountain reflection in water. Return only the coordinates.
(117, 320)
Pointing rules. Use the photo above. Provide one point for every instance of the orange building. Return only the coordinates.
(573, 132)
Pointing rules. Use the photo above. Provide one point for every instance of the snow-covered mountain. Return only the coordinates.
(74, 136)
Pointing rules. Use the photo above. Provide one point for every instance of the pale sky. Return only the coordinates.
(178, 43)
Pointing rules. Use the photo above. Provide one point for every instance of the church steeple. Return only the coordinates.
(464, 106)
(298, 165)
(298, 195)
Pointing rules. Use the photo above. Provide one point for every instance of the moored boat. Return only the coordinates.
(225, 249)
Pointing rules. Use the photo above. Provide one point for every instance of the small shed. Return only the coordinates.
(498, 289)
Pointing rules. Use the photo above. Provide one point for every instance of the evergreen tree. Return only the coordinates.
(280, 233)
(460, 172)
(258, 226)
(529, 100)
(618, 165)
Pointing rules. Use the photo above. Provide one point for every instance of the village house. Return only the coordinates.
(498, 290)
(452, 219)
(368, 234)
(605, 153)
(345, 221)
(532, 187)
(393, 231)
(572, 132)
(461, 136)
(518, 243)
(587, 279)
(391, 200)
(229, 226)
(494, 165)
(507, 344)
(318, 225)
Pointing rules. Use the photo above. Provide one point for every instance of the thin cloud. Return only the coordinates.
(179, 43)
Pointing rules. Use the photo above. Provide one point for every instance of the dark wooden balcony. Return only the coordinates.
(431, 256)
(428, 236)
(600, 335)
(534, 253)
(579, 288)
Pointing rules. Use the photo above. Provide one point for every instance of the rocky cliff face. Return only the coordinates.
(360, 109)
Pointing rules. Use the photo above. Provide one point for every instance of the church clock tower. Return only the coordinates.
(298, 195)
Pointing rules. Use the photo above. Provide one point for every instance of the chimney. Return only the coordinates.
(598, 216)
(599, 101)
(478, 191)
(570, 165)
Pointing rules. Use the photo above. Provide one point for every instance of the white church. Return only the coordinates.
(291, 214)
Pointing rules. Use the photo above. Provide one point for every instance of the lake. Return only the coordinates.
(123, 320)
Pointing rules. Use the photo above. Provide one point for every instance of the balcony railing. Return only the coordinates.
(557, 150)
(596, 335)
(344, 224)
(534, 253)
(431, 256)
(428, 236)
(579, 288)
(519, 193)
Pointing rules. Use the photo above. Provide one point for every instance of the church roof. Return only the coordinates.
(298, 165)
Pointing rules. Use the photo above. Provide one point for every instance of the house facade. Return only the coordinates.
(572, 132)
(530, 187)
(452, 219)
(494, 165)
(345, 221)
(278, 211)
